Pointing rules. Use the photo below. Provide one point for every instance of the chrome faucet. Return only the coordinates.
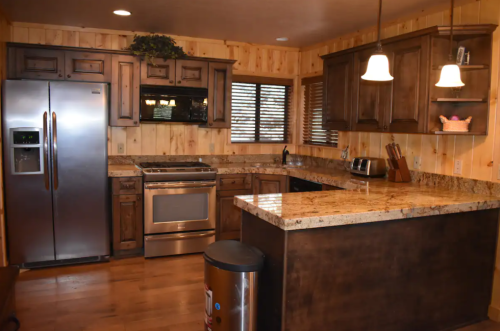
(283, 156)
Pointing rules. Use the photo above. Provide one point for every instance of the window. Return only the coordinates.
(313, 133)
(260, 110)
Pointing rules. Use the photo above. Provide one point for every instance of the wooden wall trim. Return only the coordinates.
(311, 80)
(262, 80)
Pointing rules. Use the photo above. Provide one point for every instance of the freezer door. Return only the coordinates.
(80, 169)
(28, 195)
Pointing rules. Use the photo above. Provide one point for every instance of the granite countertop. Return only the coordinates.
(361, 201)
(124, 170)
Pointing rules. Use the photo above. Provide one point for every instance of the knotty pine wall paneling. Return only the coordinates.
(177, 139)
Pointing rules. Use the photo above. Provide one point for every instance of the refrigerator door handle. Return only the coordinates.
(45, 153)
(54, 149)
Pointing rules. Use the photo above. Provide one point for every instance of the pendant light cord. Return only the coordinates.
(379, 44)
(451, 30)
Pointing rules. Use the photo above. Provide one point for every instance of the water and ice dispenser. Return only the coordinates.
(26, 150)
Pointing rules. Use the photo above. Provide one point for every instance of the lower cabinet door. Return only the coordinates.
(269, 184)
(127, 224)
(228, 215)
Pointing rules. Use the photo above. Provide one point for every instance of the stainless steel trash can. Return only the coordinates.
(231, 276)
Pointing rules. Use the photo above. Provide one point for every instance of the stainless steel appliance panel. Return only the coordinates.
(177, 243)
(80, 170)
(28, 195)
(186, 196)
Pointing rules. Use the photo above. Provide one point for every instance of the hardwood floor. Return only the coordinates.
(130, 294)
(122, 295)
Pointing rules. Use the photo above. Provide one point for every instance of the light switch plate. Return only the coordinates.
(121, 148)
(457, 169)
(416, 162)
(212, 148)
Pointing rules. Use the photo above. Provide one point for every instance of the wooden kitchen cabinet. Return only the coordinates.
(411, 103)
(191, 73)
(409, 60)
(87, 66)
(228, 215)
(220, 77)
(337, 92)
(34, 63)
(269, 184)
(127, 214)
(125, 90)
(162, 73)
(371, 100)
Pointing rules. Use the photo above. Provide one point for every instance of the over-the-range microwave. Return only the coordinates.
(173, 104)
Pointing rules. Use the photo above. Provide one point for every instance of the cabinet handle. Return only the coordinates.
(385, 127)
(135, 122)
(210, 124)
(138, 197)
(171, 82)
(257, 177)
(69, 76)
(179, 82)
(60, 75)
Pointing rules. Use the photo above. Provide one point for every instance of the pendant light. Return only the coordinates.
(450, 74)
(378, 65)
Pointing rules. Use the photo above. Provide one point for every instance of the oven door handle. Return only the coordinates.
(153, 186)
(180, 236)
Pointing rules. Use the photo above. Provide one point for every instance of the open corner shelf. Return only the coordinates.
(458, 100)
(466, 67)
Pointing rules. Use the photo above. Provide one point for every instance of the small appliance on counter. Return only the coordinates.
(368, 167)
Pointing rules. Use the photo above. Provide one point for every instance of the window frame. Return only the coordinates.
(259, 81)
(307, 84)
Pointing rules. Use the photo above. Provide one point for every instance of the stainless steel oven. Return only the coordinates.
(179, 217)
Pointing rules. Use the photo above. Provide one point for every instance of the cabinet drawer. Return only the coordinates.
(234, 182)
(127, 185)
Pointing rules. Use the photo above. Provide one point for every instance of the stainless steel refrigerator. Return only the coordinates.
(55, 171)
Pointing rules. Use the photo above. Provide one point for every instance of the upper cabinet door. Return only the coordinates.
(219, 95)
(410, 67)
(125, 90)
(162, 73)
(90, 67)
(370, 99)
(337, 92)
(34, 63)
(191, 73)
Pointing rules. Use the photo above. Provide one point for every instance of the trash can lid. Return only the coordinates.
(234, 256)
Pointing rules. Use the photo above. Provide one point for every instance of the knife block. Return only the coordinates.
(400, 173)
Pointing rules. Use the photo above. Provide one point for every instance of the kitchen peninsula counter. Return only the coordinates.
(375, 256)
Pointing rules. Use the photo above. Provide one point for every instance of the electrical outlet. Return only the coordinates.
(457, 170)
(121, 148)
(211, 148)
(416, 162)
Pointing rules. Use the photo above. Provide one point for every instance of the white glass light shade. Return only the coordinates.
(378, 69)
(450, 76)
(172, 103)
(150, 102)
(205, 101)
(163, 102)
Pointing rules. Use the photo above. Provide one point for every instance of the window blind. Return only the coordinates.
(313, 133)
(260, 111)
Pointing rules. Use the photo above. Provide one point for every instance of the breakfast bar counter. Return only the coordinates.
(378, 256)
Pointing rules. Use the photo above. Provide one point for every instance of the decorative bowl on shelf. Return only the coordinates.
(454, 124)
